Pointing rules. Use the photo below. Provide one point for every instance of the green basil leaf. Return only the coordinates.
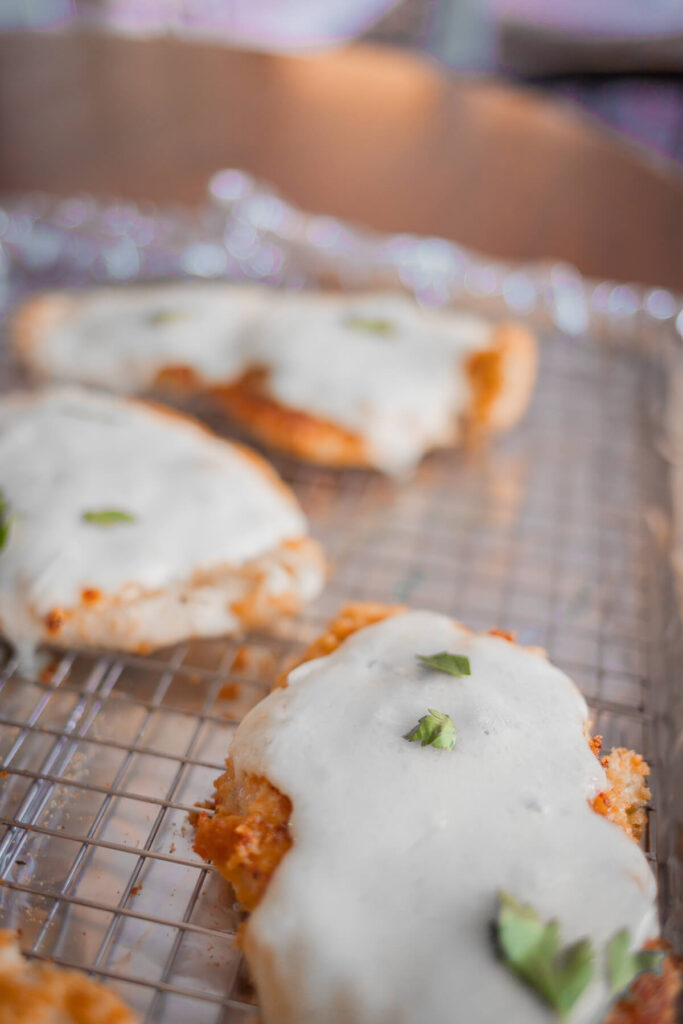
(373, 325)
(623, 965)
(5, 520)
(108, 517)
(434, 729)
(454, 664)
(167, 316)
(531, 949)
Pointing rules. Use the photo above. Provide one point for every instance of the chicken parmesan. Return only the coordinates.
(421, 830)
(343, 379)
(126, 525)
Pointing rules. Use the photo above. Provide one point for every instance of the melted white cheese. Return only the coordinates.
(382, 909)
(198, 503)
(120, 338)
(401, 388)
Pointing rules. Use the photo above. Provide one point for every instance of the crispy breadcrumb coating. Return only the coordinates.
(485, 372)
(248, 835)
(40, 993)
(114, 619)
(350, 619)
(652, 997)
(291, 430)
(624, 802)
(501, 379)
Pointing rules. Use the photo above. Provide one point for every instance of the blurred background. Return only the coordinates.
(522, 128)
(619, 59)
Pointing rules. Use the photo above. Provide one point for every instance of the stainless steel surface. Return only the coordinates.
(550, 532)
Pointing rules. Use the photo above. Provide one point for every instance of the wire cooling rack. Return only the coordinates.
(553, 532)
(104, 757)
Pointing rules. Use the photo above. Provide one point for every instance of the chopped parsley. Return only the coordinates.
(167, 316)
(531, 949)
(454, 664)
(5, 520)
(371, 324)
(108, 517)
(434, 729)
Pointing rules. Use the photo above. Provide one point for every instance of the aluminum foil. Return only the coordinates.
(564, 531)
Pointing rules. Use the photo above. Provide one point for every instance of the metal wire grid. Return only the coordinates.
(103, 757)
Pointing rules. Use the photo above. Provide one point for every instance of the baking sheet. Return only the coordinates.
(561, 531)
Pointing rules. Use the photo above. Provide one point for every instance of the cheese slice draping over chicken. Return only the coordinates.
(126, 525)
(369, 379)
(376, 899)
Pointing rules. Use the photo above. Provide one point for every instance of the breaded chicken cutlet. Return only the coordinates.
(366, 379)
(415, 805)
(129, 526)
(33, 992)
